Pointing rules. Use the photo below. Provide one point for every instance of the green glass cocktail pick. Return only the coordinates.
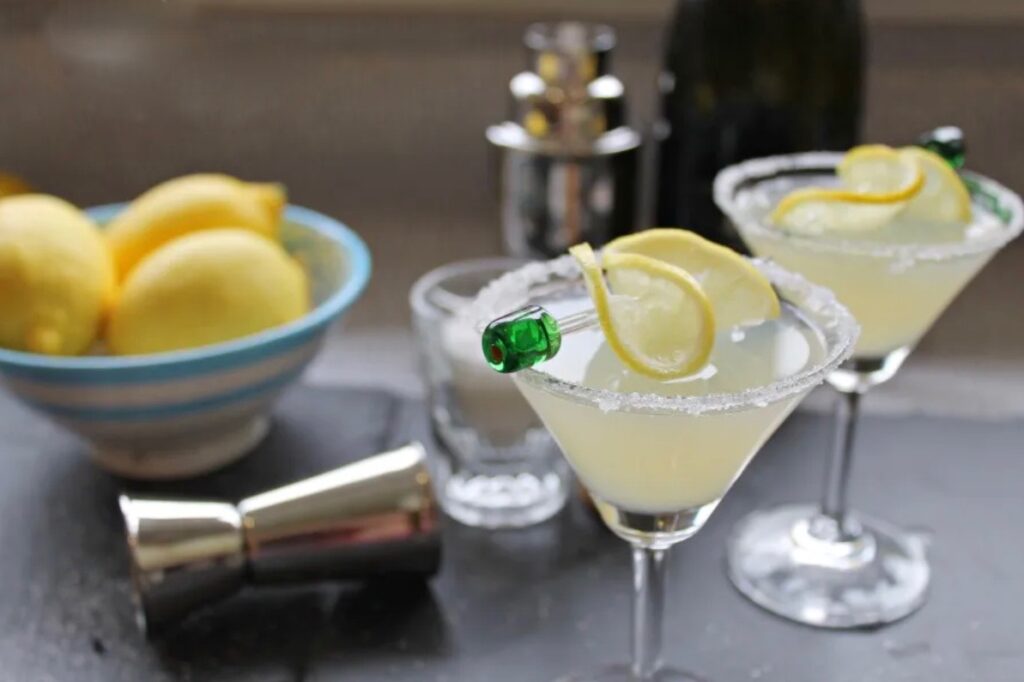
(529, 336)
(948, 142)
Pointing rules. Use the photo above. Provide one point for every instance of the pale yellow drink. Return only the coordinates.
(639, 459)
(896, 278)
(895, 296)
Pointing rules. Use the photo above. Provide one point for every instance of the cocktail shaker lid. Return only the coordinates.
(567, 101)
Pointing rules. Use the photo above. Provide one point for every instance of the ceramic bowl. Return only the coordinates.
(183, 413)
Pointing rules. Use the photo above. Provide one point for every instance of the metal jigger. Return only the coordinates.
(367, 519)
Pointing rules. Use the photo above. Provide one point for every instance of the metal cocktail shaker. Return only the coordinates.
(569, 162)
(371, 518)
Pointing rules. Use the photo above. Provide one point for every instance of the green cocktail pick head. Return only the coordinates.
(947, 142)
(521, 339)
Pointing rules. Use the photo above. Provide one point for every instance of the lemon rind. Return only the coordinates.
(599, 294)
(809, 194)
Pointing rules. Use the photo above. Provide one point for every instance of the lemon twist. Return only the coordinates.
(739, 293)
(658, 321)
(667, 292)
(878, 184)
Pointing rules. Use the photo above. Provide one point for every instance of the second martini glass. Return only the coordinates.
(657, 457)
(824, 565)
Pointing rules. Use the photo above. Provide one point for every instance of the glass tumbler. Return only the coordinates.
(497, 466)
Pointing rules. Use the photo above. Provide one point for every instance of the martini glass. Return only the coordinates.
(657, 457)
(825, 565)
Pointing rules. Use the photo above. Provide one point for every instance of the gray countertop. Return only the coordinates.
(512, 606)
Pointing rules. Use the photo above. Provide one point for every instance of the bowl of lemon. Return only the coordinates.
(161, 331)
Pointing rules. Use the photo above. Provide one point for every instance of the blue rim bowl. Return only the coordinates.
(139, 412)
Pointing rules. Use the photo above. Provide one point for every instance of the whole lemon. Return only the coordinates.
(187, 204)
(56, 276)
(203, 288)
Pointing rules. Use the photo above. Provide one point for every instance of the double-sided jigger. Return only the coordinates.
(376, 517)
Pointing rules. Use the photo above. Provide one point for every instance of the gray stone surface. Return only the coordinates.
(515, 606)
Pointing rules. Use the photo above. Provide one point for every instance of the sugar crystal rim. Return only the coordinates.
(731, 178)
(838, 327)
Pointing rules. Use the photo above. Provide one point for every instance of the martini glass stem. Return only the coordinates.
(648, 610)
(834, 504)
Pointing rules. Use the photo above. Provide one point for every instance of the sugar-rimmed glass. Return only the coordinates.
(825, 565)
(631, 493)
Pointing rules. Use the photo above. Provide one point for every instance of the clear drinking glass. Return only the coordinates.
(500, 467)
(657, 465)
(825, 565)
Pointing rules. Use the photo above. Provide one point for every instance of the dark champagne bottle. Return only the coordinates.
(749, 78)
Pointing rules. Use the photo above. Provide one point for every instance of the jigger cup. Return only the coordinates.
(376, 517)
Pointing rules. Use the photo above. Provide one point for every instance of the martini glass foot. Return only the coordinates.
(793, 562)
(623, 673)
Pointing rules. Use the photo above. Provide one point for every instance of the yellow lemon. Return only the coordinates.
(655, 318)
(204, 288)
(55, 276)
(189, 204)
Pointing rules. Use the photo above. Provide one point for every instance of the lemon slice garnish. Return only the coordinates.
(739, 293)
(658, 321)
(878, 182)
(944, 198)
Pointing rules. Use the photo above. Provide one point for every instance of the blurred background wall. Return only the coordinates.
(374, 112)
